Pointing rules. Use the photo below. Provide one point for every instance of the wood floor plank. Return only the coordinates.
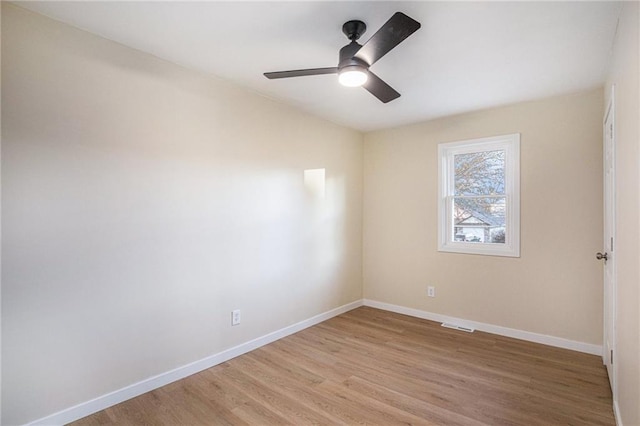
(370, 366)
(284, 405)
(429, 412)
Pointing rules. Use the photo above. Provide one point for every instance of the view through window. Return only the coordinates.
(479, 200)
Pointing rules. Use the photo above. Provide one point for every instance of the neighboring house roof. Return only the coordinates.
(479, 218)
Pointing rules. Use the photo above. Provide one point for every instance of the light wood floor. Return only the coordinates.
(375, 367)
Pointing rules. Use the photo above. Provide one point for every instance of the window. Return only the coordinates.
(479, 200)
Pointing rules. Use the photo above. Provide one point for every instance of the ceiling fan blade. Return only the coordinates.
(301, 73)
(380, 89)
(391, 34)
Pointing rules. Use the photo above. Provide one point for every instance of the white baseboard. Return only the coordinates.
(616, 413)
(105, 401)
(490, 328)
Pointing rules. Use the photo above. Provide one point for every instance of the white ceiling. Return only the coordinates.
(467, 55)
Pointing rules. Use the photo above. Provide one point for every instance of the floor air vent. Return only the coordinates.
(458, 327)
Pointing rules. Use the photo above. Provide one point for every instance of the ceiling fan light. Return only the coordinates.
(352, 76)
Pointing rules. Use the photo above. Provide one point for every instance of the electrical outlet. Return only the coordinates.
(431, 291)
(235, 317)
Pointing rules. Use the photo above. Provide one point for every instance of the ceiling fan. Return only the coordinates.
(355, 59)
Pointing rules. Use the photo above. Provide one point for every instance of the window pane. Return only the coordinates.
(479, 173)
(479, 220)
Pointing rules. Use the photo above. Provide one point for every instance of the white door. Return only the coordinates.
(608, 253)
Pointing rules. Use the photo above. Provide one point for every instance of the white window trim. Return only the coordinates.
(446, 151)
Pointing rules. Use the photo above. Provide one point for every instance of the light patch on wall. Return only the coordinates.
(314, 181)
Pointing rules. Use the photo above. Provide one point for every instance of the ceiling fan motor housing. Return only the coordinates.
(348, 59)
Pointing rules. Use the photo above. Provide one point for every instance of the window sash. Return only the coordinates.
(479, 196)
(451, 199)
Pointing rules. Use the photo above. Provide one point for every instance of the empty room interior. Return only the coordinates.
(320, 213)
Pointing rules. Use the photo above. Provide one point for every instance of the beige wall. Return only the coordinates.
(142, 203)
(555, 287)
(624, 73)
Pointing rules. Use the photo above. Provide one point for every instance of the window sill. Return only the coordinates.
(480, 249)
